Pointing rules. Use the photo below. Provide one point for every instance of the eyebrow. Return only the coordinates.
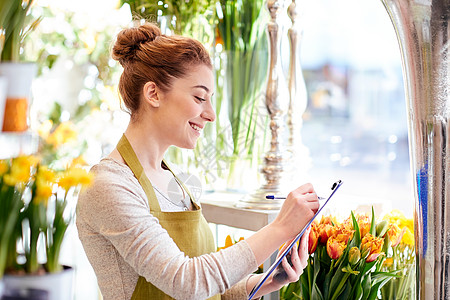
(201, 87)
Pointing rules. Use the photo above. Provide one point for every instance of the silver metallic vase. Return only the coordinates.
(422, 28)
(276, 102)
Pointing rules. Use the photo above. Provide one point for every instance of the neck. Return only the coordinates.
(146, 144)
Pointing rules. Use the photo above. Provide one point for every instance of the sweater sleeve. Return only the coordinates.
(116, 208)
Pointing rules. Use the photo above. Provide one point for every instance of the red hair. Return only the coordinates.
(147, 55)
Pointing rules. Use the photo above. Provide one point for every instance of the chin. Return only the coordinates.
(187, 145)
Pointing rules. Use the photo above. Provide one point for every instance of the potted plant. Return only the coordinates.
(15, 24)
(35, 212)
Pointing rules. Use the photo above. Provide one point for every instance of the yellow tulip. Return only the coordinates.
(354, 255)
(408, 238)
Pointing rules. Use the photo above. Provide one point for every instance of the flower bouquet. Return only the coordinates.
(401, 257)
(35, 212)
(347, 259)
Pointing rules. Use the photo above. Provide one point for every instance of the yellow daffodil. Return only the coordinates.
(64, 133)
(4, 167)
(229, 242)
(73, 177)
(45, 179)
(44, 191)
(20, 171)
(45, 174)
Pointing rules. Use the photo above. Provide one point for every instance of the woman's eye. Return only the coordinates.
(199, 99)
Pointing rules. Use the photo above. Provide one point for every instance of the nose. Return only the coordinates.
(208, 113)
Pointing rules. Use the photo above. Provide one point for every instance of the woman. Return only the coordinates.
(144, 244)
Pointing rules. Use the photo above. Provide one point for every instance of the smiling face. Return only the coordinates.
(186, 108)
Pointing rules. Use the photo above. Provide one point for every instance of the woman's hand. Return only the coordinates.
(290, 269)
(299, 207)
(292, 272)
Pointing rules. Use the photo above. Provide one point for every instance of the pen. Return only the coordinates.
(272, 197)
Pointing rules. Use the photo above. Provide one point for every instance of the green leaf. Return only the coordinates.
(337, 283)
(348, 269)
(373, 227)
(359, 291)
(316, 293)
(304, 285)
(346, 293)
(326, 284)
(367, 282)
(357, 236)
(376, 287)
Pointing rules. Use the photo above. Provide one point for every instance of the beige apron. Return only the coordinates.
(188, 229)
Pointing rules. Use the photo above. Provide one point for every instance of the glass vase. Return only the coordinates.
(422, 29)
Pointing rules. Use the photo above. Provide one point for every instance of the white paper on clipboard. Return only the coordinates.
(272, 268)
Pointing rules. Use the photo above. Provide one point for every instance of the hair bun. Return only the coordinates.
(129, 40)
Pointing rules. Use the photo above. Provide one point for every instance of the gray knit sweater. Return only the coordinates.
(123, 241)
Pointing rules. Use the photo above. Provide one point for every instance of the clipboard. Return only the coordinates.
(272, 268)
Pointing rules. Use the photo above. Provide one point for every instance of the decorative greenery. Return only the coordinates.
(34, 206)
(183, 16)
(347, 260)
(242, 30)
(15, 24)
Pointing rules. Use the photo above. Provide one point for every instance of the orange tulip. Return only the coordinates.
(364, 224)
(343, 233)
(328, 220)
(335, 247)
(395, 234)
(313, 240)
(324, 232)
(371, 247)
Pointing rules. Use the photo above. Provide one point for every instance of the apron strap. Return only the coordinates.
(193, 200)
(129, 156)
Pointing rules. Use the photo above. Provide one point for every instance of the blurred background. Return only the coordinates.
(354, 127)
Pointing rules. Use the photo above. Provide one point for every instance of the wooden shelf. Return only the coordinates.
(15, 144)
(219, 208)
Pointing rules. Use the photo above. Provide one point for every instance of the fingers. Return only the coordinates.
(305, 188)
(303, 249)
(292, 268)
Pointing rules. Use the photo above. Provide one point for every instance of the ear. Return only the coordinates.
(150, 94)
